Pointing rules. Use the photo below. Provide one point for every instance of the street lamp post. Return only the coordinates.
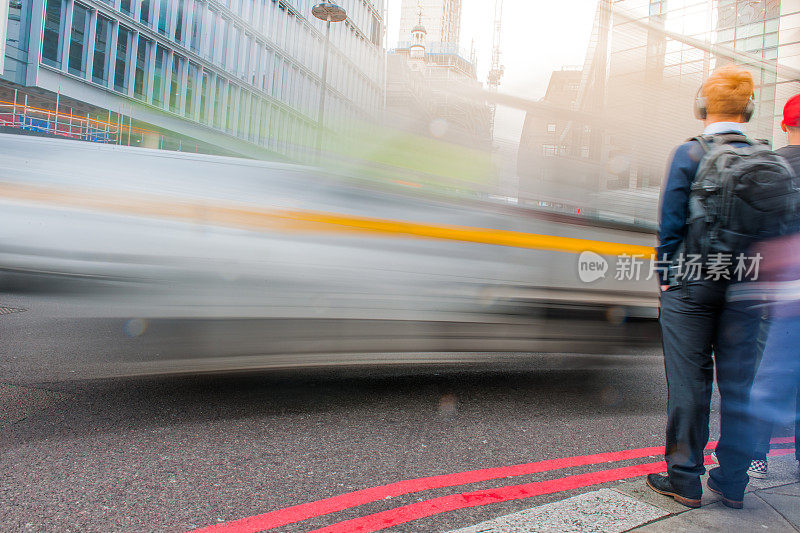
(329, 12)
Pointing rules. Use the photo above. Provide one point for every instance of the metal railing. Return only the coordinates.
(85, 128)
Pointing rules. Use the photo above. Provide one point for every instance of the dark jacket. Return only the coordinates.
(675, 201)
(792, 155)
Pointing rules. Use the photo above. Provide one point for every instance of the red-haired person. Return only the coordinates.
(701, 330)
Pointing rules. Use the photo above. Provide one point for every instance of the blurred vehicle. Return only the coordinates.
(205, 263)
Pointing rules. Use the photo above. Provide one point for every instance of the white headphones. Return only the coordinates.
(701, 107)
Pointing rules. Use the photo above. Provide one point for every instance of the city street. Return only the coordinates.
(398, 265)
(177, 453)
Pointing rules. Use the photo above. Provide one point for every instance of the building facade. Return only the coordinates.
(645, 63)
(441, 19)
(432, 90)
(554, 153)
(242, 74)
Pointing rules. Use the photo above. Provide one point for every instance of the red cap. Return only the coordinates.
(791, 111)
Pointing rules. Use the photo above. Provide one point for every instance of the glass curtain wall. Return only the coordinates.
(264, 55)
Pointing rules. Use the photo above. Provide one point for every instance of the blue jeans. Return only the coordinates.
(777, 383)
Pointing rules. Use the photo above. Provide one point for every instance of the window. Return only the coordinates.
(203, 96)
(280, 81)
(77, 45)
(163, 16)
(18, 22)
(245, 70)
(771, 25)
(725, 35)
(243, 113)
(551, 128)
(549, 150)
(377, 31)
(222, 39)
(256, 64)
(266, 74)
(218, 103)
(158, 76)
(264, 134)
(191, 81)
(751, 44)
(102, 50)
(53, 30)
(197, 17)
(176, 83)
(179, 22)
(233, 98)
(142, 69)
(212, 21)
(123, 59)
(233, 60)
(255, 118)
(144, 15)
(125, 6)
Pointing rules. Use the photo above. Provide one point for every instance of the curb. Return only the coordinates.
(631, 506)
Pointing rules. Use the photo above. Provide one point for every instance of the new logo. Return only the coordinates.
(591, 267)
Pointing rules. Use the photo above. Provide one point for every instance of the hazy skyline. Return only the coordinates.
(537, 39)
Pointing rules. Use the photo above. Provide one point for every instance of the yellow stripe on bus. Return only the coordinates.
(305, 221)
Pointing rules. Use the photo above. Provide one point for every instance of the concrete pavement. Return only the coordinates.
(771, 504)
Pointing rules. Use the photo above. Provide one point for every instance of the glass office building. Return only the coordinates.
(645, 63)
(608, 143)
(219, 71)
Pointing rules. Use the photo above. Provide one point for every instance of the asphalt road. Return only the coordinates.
(176, 453)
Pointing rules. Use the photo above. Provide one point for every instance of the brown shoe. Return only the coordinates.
(660, 483)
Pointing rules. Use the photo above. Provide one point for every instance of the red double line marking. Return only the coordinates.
(415, 511)
(305, 511)
(400, 515)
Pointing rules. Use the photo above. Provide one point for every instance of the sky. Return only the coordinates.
(538, 38)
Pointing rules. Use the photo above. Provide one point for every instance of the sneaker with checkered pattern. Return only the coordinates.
(758, 469)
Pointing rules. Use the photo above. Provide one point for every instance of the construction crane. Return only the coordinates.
(496, 71)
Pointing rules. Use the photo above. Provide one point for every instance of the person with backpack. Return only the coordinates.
(716, 202)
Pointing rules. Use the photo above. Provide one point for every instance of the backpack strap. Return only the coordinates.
(708, 141)
(704, 142)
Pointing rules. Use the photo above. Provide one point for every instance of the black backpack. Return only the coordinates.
(740, 194)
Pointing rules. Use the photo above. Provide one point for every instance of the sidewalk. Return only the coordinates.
(771, 504)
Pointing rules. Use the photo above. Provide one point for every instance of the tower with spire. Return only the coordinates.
(418, 34)
(441, 18)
